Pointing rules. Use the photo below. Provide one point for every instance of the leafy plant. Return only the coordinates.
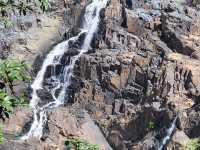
(23, 8)
(1, 135)
(151, 125)
(79, 144)
(11, 71)
(44, 5)
(6, 22)
(193, 144)
(20, 101)
(5, 104)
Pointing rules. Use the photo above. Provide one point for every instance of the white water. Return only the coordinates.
(169, 134)
(90, 26)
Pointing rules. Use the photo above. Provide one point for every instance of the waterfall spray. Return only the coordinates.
(90, 26)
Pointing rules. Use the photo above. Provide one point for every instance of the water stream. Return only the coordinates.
(168, 135)
(61, 82)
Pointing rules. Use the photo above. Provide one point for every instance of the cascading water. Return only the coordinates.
(90, 26)
(169, 134)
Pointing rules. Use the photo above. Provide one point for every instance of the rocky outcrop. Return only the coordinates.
(62, 124)
(142, 58)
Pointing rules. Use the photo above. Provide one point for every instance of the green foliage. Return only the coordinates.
(44, 5)
(78, 144)
(1, 135)
(5, 104)
(20, 101)
(151, 125)
(12, 71)
(6, 22)
(22, 6)
(193, 144)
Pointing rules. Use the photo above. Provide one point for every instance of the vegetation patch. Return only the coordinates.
(193, 144)
(78, 144)
(151, 125)
(12, 72)
(8, 7)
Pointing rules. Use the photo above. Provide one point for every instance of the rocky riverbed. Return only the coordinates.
(142, 71)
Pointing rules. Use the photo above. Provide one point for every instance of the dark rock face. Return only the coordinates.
(45, 97)
(2, 85)
(143, 58)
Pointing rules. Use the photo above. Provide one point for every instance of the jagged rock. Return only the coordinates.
(18, 122)
(179, 141)
(44, 96)
(116, 140)
(63, 124)
(181, 38)
(134, 25)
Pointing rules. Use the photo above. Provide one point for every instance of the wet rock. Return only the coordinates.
(20, 118)
(45, 97)
(191, 129)
(179, 141)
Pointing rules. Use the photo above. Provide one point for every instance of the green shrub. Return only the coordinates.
(193, 144)
(79, 144)
(12, 71)
(5, 104)
(6, 22)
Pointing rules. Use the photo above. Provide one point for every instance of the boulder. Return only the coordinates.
(179, 141)
(18, 122)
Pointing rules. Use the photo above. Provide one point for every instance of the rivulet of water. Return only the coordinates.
(90, 26)
(168, 135)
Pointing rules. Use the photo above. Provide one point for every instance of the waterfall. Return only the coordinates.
(90, 26)
(169, 134)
